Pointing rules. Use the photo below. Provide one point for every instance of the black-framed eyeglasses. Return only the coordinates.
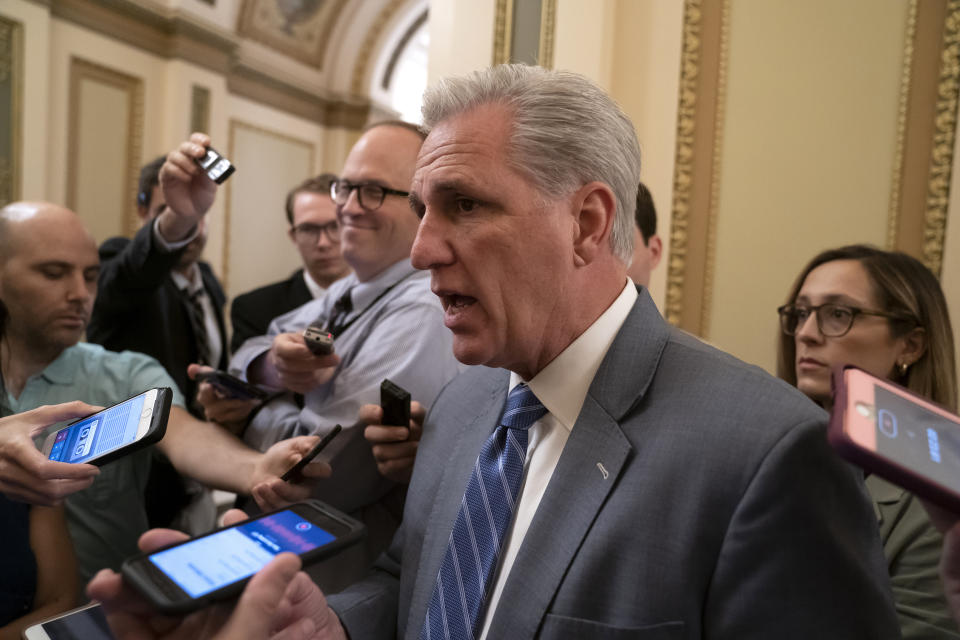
(370, 195)
(310, 232)
(833, 320)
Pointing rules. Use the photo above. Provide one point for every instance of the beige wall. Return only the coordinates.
(807, 155)
(950, 273)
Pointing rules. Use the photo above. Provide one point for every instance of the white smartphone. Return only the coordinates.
(85, 623)
(113, 432)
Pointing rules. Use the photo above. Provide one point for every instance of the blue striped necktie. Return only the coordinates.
(465, 579)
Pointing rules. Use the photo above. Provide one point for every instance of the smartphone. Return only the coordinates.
(190, 575)
(395, 402)
(293, 473)
(121, 429)
(318, 339)
(216, 166)
(898, 435)
(84, 623)
(232, 386)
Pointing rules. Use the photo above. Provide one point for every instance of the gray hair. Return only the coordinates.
(566, 132)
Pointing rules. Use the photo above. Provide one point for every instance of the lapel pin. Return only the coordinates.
(603, 470)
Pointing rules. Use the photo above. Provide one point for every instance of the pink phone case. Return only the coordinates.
(887, 468)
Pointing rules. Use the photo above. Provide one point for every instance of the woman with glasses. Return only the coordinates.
(883, 312)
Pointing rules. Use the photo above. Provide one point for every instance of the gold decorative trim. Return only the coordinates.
(941, 158)
(81, 70)
(11, 74)
(502, 32)
(719, 115)
(548, 29)
(683, 167)
(896, 183)
(360, 71)
(234, 126)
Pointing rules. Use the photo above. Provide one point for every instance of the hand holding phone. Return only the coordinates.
(231, 386)
(898, 435)
(215, 165)
(187, 576)
(395, 402)
(318, 339)
(293, 473)
(116, 431)
(26, 474)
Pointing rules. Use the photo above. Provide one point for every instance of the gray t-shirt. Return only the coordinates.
(106, 519)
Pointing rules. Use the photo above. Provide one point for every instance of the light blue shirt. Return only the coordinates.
(399, 336)
(106, 519)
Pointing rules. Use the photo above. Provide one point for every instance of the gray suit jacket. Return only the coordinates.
(723, 513)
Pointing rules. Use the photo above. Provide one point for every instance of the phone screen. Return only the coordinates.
(86, 624)
(102, 432)
(212, 562)
(917, 438)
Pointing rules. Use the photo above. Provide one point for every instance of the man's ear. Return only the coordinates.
(594, 218)
(655, 246)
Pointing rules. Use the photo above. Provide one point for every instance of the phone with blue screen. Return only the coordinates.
(116, 431)
(189, 575)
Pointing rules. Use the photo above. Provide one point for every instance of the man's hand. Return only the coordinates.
(28, 475)
(296, 366)
(280, 602)
(231, 413)
(187, 190)
(394, 448)
(269, 490)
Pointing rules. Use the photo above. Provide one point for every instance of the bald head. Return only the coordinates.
(48, 277)
(40, 221)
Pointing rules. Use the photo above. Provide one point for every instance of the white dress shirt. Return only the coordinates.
(315, 289)
(194, 284)
(561, 387)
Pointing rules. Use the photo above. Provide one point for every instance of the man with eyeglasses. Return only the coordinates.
(315, 232)
(386, 324)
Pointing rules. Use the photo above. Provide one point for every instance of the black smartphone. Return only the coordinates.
(903, 438)
(293, 473)
(395, 402)
(190, 575)
(318, 339)
(84, 623)
(216, 166)
(232, 386)
(116, 431)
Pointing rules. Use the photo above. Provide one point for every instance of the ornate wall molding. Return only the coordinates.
(502, 31)
(683, 166)
(83, 70)
(199, 109)
(548, 30)
(941, 160)
(303, 36)
(172, 35)
(11, 109)
(361, 64)
(896, 182)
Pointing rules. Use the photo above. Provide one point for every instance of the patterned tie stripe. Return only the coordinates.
(197, 323)
(338, 315)
(463, 583)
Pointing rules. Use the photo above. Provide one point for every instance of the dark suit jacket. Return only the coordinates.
(252, 312)
(723, 514)
(139, 308)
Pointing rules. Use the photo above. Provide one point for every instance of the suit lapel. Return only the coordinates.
(592, 460)
(452, 486)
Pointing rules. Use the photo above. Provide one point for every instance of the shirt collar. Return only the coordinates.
(192, 284)
(312, 285)
(63, 370)
(364, 293)
(563, 384)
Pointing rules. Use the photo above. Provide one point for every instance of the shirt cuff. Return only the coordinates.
(170, 247)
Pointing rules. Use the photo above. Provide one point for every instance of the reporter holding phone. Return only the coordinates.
(885, 313)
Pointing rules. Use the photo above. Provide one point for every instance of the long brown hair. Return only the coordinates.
(901, 285)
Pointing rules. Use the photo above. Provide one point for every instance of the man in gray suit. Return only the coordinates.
(602, 475)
